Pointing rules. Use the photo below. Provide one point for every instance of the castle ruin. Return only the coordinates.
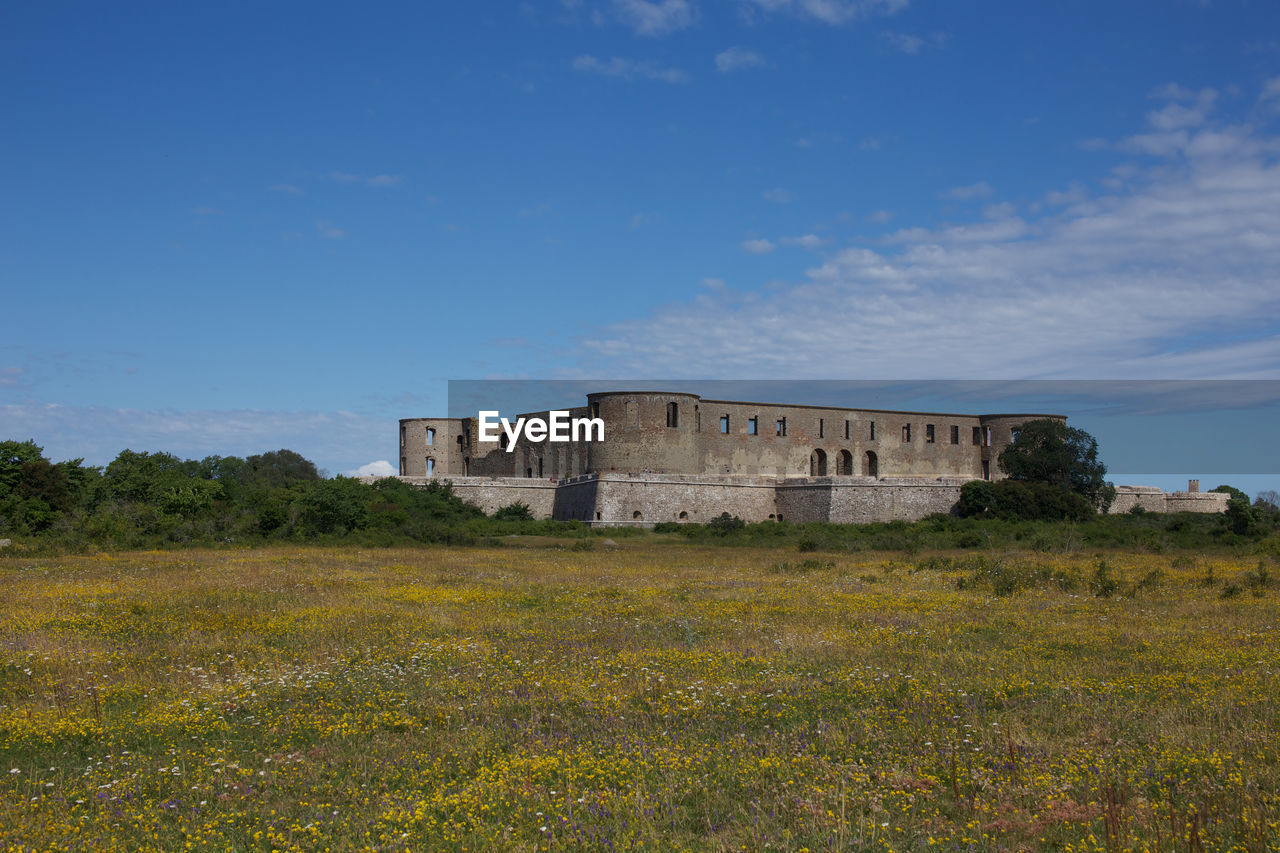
(669, 456)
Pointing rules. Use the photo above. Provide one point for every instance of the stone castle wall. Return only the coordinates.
(1152, 499)
(679, 457)
(646, 499)
(493, 493)
(675, 433)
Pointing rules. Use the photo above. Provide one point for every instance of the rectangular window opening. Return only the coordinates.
(846, 430)
(820, 429)
(873, 431)
(906, 433)
(955, 434)
(929, 436)
(724, 424)
(782, 426)
(753, 426)
(977, 436)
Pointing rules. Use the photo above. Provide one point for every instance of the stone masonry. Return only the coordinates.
(679, 457)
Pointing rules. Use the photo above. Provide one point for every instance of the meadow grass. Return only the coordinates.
(651, 696)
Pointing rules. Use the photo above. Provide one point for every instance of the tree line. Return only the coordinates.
(143, 499)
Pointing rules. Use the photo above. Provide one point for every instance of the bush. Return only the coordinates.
(1102, 584)
(514, 512)
(724, 524)
(1022, 501)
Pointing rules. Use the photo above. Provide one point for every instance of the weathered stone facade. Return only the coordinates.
(1152, 499)
(679, 457)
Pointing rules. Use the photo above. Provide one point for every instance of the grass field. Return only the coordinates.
(652, 696)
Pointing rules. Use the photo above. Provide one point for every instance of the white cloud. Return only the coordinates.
(777, 195)
(758, 247)
(805, 241)
(655, 18)
(329, 231)
(880, 216)
(350, 178)
(1170, 275)
(738, 59)
(11, 376)
(629, 69)
(381, 468)
(1071, 195)
(1177, 114)
(981, 189)
(834, 12)
(333, 440)
(1271, 90)
(912, 44)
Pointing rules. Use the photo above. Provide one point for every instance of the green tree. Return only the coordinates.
(1235, 493)
(1050, 452)
(13, 455)
(339, 506)
(277, 469)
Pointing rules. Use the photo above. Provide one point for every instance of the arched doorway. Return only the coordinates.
(871, 465)
(844, 464)
(818, 463)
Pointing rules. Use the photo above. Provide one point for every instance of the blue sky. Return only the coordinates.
(245, 226)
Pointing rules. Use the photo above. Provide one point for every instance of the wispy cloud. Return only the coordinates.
(1170, 275)
(11, 376)
(834, 12)
(913, 44)
(629, 69)
(655, 18)
(777, 195)
(981, 189)
(333, 440)
(329, 231)
(738, 59)
(1185, 108)
(290, 189)
(758, 246)
(368, 181)
(804, 241)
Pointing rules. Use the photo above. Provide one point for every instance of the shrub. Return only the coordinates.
(1102, 584)
(514, 512)
(724, 524)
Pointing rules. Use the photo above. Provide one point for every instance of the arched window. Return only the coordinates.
(818, 463)
(871, 465)
(844, 464)
(431, 436)
(637, 515)
(683, 516)
(673, 415)
(431, 466)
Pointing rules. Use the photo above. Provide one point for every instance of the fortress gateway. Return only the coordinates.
(679, 457)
